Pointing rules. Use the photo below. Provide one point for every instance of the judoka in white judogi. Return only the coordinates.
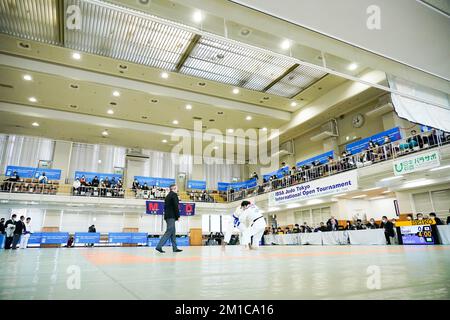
(254, 222)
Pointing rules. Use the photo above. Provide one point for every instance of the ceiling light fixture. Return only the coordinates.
(110, 111)
(164, 141)
(235, 90)
(188, 107)
(370, 189)
(352, 66)
(175, 122)
(105, 133)
(197, 16)
(440, 168)
(116, 93)
(230, 130)
(27, 77)
(35, 124)
(248, 118)
(76, 56)
(286, 44)
(164, 75)
(32, 99)
(264, 129)
(360, 196)
(391, 178)
(293, 104)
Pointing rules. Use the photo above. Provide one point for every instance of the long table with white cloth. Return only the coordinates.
(355, 237)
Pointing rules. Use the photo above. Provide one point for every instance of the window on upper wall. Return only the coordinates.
(422, 202)
(24, 151)
(441, 202)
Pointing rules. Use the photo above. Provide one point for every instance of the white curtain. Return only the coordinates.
(220, 172)
(24, 151)
(166, 165)
(96, 158)
(435, 116)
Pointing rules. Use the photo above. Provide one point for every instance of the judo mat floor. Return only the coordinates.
(271, 272)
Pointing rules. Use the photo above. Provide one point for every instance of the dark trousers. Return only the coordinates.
(8, 242)
(15, 241)
(169, 234)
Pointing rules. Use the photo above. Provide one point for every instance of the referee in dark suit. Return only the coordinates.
(171, 214)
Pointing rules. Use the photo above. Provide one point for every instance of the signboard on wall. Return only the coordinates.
(51, 174)
(416, 162)
(223, 186)
(157, 207)
(360, 145)
(279, 173)
(340, 183)
(23, 172)
(159, 182)
(196, 185)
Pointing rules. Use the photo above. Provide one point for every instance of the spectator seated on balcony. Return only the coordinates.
(76, 186)
(43, 178)
(415, 140)
(95, 182)
(136, 186)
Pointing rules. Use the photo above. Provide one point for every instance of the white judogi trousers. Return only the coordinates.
(255, 230)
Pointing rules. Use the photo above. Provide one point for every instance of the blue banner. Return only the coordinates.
(196, 185)
(54, 237)
(244, 184)
(151, 181)
(23, 172)
(101, 176)
(223, 186)
(51, 174)
(139, 237)
(157, 207)
(360, 145)
(279, 173)
(322, 158)
(87, 237)
(2, 241)
(181, 242)
(119, 237)
(35, 238)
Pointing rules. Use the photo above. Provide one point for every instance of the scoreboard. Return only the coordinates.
(416, 231)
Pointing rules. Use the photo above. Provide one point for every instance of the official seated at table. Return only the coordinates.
(349, 225)
(296, 229)
(332, 224)
(419, 216)
(359, 225)
(372, 224)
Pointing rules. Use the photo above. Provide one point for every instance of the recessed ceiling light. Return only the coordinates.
(110, 111)
(248, 118)
(175, 122)
(235, 90)
(116, 93)
(293, 104)
(188, 107)
(197, 16)
(370, 189)
(391, 178)
(76, 56)
(164, 75)
(35, 124)
(352, 66)
(32, 99)
(105, 133)
(361, 196)
(264, 129)
(99, 161)
(164, 141)
(286, 44)
(215, 147)
(230, 130)
(27, 77)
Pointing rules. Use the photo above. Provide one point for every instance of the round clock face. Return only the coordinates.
(358, 120)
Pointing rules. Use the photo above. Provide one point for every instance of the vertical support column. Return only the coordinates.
(61, 158)
(331, 143)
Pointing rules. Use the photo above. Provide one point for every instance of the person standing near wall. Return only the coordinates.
(171, 214)
(20, 228)
(2, 226)
(26, 235)
(10, 226)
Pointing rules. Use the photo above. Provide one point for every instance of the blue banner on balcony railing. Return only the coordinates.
(322, 158)
(360, 145)
(223, 186)
(279, 173)
(101, 176)
(87, 237)
(151, 181)
(196, 185)
(244, 184)
(157, 207)
(30, 172)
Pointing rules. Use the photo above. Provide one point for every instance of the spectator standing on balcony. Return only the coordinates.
(43, 178)
(255, 176)
(389, 231)
(76, 186)
(171, 214)
(20, 228)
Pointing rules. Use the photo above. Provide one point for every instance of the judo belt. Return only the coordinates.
(255, 220)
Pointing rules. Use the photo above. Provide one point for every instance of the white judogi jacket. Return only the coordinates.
(249, 215)
(235, 223)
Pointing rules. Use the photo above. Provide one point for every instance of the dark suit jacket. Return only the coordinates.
(20, 227)
(388, 228)
(171, 210)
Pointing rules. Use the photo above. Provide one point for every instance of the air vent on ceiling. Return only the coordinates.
(135, 154)
(197, 118)
(384, 106)
(327, 130)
